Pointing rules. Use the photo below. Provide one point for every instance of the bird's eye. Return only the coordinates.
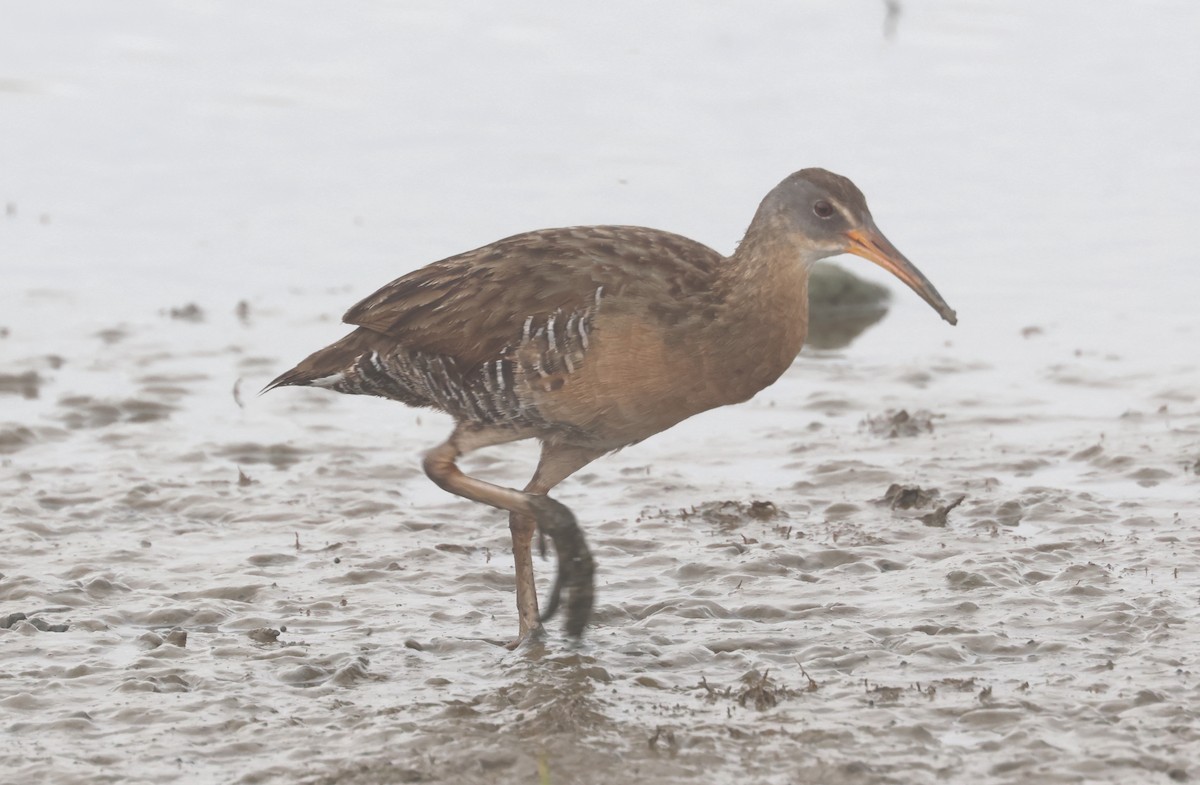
(822, 209)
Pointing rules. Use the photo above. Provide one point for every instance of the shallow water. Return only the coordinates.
(268, 589)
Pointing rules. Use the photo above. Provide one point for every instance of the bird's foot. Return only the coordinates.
(528, 637)
(575, 565)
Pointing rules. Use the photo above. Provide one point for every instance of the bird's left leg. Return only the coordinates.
(575, 565)
(557, 463)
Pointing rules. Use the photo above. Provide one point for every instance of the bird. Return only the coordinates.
(590, 339)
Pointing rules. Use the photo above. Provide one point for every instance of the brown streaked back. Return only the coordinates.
(473, 305)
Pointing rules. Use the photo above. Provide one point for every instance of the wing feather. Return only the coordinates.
(472, 306)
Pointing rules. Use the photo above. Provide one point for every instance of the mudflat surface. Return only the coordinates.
(934, 555)
(769, 607)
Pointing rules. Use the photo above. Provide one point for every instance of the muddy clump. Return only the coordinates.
(907, 497)
(914, 497)
(894, 424)
(12, 619)
(939, 517)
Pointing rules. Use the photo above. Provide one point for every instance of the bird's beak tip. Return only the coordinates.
(870, 244)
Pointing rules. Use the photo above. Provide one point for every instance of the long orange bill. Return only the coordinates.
(869, 243)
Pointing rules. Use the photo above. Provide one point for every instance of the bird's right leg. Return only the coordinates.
(574, 559)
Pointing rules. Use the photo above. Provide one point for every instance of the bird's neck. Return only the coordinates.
(764, 288)
(768, 273)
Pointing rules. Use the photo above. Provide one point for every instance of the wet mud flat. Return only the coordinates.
(918, 567)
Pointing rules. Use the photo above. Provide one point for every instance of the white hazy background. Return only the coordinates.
(1039, 161)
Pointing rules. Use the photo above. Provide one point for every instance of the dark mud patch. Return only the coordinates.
(113, 335)
(725, 515)
(27, 385)
(14, 437)
(1148, 477)
(264, 635)
(85, 412)
(281, 456)
(189, 312)
(896, 424)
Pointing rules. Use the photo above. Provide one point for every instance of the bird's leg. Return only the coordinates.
(522, 528)
(557, 463)
(575, 564)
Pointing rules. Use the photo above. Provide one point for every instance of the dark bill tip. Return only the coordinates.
(870, 244)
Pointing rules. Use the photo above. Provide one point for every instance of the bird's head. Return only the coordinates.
(826, 214)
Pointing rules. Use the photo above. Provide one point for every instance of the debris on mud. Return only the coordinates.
(914, 497)
(731, 514)
(937, 518)
(759, 691)
(813, 684)
(894, 424)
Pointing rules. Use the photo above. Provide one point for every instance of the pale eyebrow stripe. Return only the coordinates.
(843, 210)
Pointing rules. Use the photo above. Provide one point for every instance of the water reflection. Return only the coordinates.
(841, 306)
